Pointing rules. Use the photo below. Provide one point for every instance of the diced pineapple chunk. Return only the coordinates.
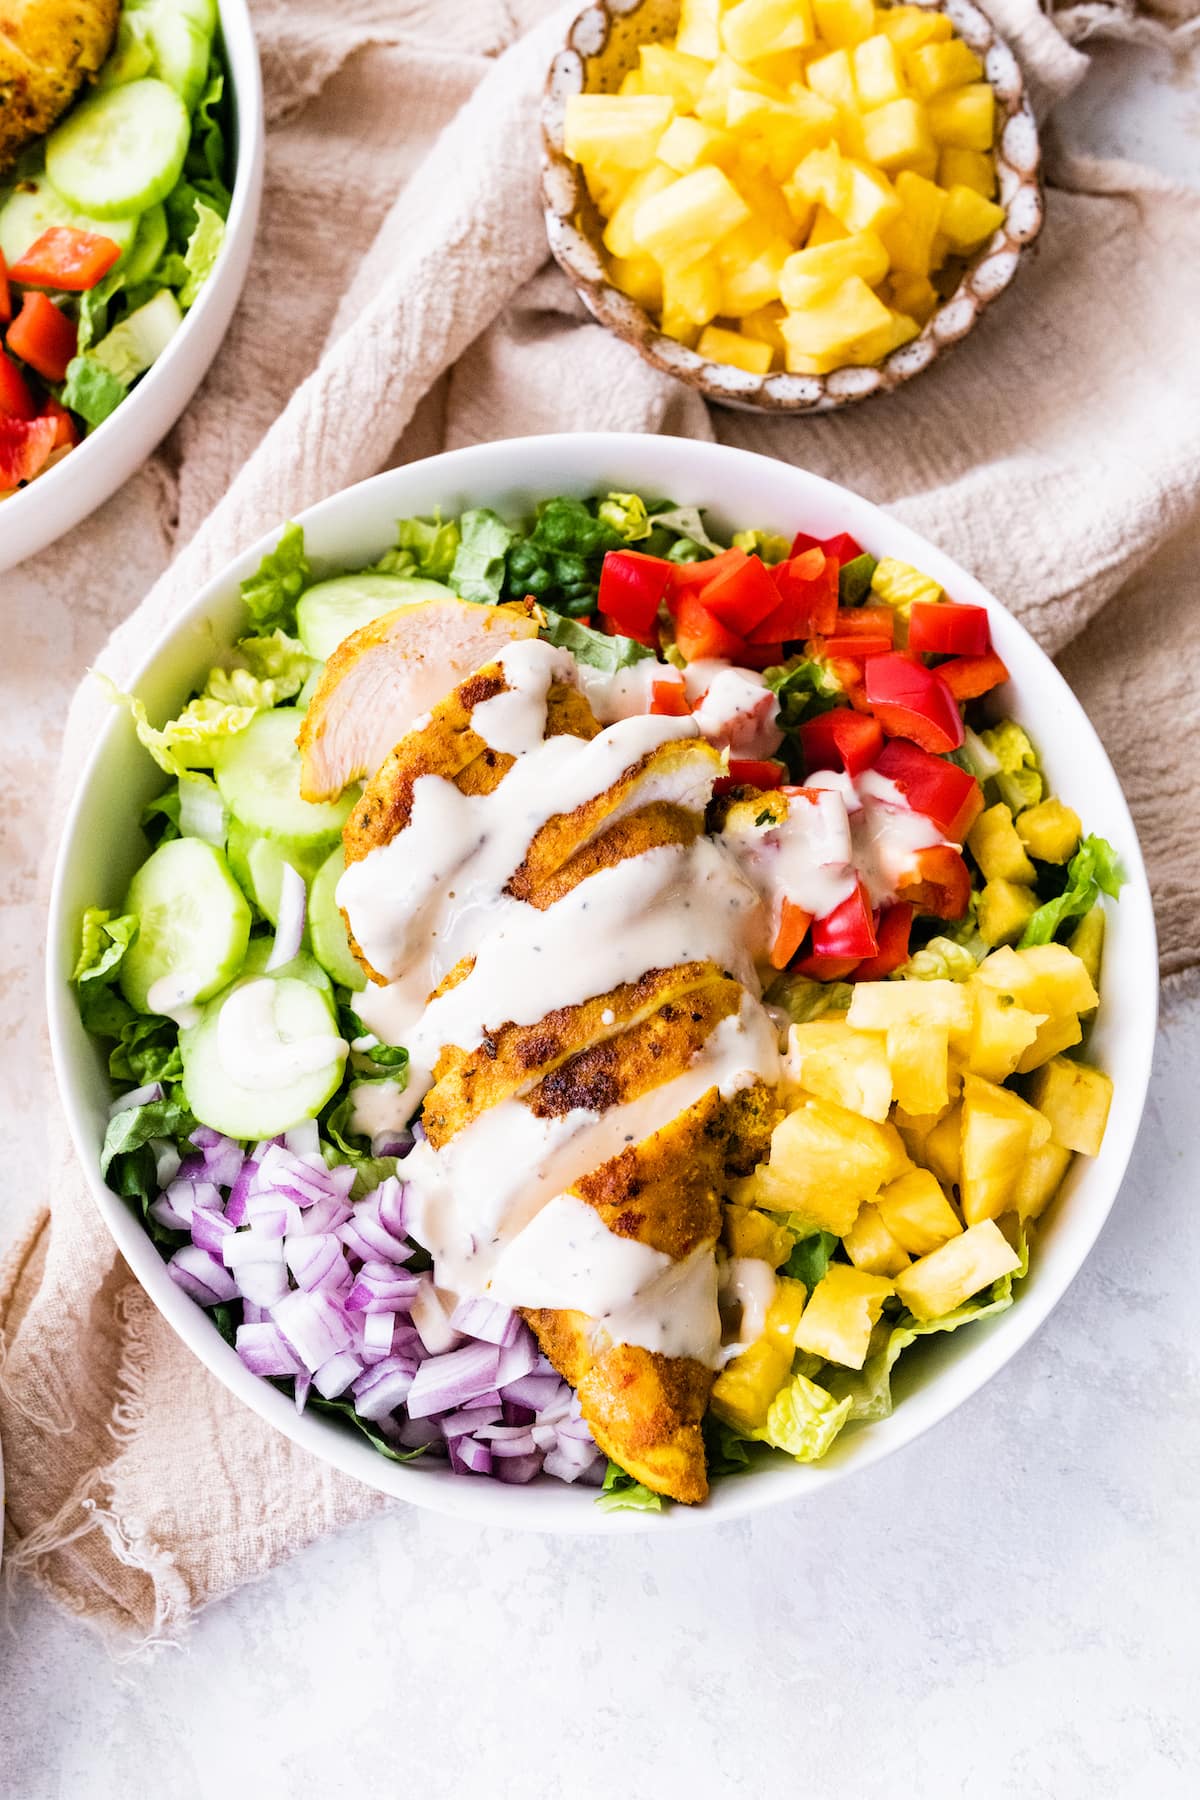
(943, 1147)
(832, 327)
(641, 278)
(755, 28)
(723, 346)
(881, 342)
(622, 132)
(1087, 943)
(932, 68)
(825, 229)
(917, 1213)
(825, 1161)
(764, 196)
(725, 75)
(914, 1129)
(763, 326)
(748, 1232)
(619, 237)
(968, 168)
(787, 130)
(965, 118)
(867, 200)
(998, 1131)
(686, 143)
(785, 1312)
(841, 1313)
(688, 220)
(671, 72)
(844, 22)
(743, 1392)
(908, 240)
(944, 1279)
(832, 1060)
(967, 218)
(914, 295)
(751, 261)
(996, 847)
(896, 136)
(691, 296)
(1074, 1098)
(1040, 1180)
(1050, 831)
(832, 77)
(877, 73)
(813, 273)
(1060, 1033)
(631, 83)
(870, 1245)
(909, 26)
(1005, 908)
(608, 186)
(899, 585)
(1003, 1032)
(699, 29)
(1047, 978)
(918, 1055)
(877, 1005)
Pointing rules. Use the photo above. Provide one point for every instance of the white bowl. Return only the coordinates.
(102, 846)
(38, 514)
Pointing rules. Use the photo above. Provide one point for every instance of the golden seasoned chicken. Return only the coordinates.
(48, 48)
(384, 677)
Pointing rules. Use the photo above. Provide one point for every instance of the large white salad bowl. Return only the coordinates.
(37, 515)
(102, 846)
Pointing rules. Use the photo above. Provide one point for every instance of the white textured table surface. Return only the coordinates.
(1005, 1609)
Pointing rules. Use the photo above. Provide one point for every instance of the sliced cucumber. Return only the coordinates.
(120, 151)
(142, 257)
(257, 862)
(331, 610)
(327, 928)
(193, 927)
(301, 968)
(130, 57)
(275, 1064)
(181, 34)
(136, 344)
(35, 206)
(258, 773)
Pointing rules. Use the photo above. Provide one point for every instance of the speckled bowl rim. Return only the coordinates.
(987, 274)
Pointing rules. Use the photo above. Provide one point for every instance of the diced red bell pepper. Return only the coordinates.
(631, 589)
(690, 578)
(43, 337)
(25, 445)
(669, 700)
(16, 402)
(943, 628)
(750, 772)
(944, 793)
(65, 429)
(865, 621)
(64, 258)
(911, 701)
(807, 598)
(969, 676)
(793, 928)
(5, 296)
(741, 594)
(826, 968)
(847, 931)
(892, 929)
(760, 656)
(841, 546)
(841, 739)
(699, 634)
(939, 883)
(855, 649)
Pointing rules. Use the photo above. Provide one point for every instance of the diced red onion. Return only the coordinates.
(469, 1419)
(335, 1376)
(262, 1282)
(316, 1261)
(486, 1319)
(300, 1388)
(166, 1161)
(557, 1464)
(544, 1436)
(378, 1334)
(475, 1458)
(577, 1429)
(492, 1399)
(272, 1215)
(366, 1236)
(223, 1162)
(264, 1352)
(204, 1137)
(443, 1383)
(293, 905)
(392, 1143)
(304, 1139)
(235, 1206)
(579, 1454)
(516, 1414)
(251, 1246)
(432, 1319)
(314, 1325)
(381, 1390)
(378, 1287)
(418, 1434)
(252, 1314)
(531, 1390)
(389, 1200)
(322, 1216)
(163, 1213)
(201, 1276)
(517, 1468)
(141, 1096)
(209, 1229)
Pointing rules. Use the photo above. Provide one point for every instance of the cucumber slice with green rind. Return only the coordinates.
(35, 206)
(193, 926)
(257, 861)
(330, 611)
(293, 1013)
(120, 151)
(258, 773)
(142, 257)
(327, 928)
(182, 46)
(301, 968)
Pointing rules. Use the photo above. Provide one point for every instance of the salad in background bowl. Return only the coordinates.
(975, 979)
(125, 234)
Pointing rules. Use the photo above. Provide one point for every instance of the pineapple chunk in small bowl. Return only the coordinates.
(789, 204)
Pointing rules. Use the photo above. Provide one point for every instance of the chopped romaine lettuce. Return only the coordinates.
(627, 515)
(771, 548)
(854, 579)
(593, 647)
(810, 1258)
(147, 1050)
(686, 522)
(425, 547)
(1018, 777)
(1093, 870)
(804, 688)
(803, 1419)
(621, 1493)
(104, 941)
(91, 390)
(803, 999)
(478, 569)
(271, 593)
(203, 248)
(941, 959)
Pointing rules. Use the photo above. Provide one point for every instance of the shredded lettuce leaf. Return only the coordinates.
(854, 579)
(91, 390)
(621, 1493)
(203, 248)
(133, 1129)
(478, 569)
(276, 668)
(147, 1050)
(803, 999)
(803, 1419)
(271, 593)
(1093, 870)
(941, 959)
(104, 941)
(804, 689)
(766, 544)
(424, 547)
(686, 522)
(627, 515)
(810, 1258)
(1018, 778)
(594, 648)
(188, 741)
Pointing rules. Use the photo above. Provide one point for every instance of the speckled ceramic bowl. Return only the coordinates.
(602, 45)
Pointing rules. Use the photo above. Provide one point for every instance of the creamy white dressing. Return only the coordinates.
(745, 1289)
(738, 714)
(886, 834)
(174, 995)
(377, 1107)
(254, 1052)
(625, 692)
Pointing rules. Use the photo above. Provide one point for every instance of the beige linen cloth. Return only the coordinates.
(1057, 453)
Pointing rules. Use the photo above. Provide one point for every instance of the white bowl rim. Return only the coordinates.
(573, 460)
(59, 489)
